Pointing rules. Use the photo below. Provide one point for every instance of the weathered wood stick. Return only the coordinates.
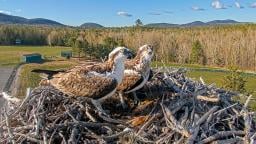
(115, 136)
(208, 98)
(205, 116)
(11, 136)
(222, 134)
(173, 122)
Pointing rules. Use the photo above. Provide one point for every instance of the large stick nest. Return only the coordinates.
(173, 108)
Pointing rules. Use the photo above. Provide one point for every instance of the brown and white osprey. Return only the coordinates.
(136, 73)
(96, 81)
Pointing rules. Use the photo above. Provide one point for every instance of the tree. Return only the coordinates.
(81, 45)
(197, 54)
(234, 81)
(138, 23)
(56, 38)
(71, 42)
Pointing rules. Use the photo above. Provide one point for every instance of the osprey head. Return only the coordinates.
(146, 52)
(120, 51)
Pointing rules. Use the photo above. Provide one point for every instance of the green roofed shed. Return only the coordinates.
(32, 58)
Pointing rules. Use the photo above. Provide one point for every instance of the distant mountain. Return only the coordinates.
(91, 25)
(193, 24)
(42, 21)
(161, 25)
(219, 22)
(9, 19)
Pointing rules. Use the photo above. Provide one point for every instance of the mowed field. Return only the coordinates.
(11, 55)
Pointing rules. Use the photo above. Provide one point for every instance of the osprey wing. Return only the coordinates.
(131, 80)
(87, 85)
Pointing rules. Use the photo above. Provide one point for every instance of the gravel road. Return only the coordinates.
(5, 73)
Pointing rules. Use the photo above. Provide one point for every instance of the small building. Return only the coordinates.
(66, 54)
(32, 58)
(17, 41)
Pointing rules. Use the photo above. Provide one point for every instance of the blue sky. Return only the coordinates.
(125, 12)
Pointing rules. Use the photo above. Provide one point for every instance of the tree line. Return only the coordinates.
(213, 45)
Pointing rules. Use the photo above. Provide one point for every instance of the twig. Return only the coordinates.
(11, 136)
(222, 134)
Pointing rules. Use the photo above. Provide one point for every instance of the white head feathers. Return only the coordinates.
(146, 52)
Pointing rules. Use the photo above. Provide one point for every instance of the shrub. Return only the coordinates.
(197, 54)
(234, 80)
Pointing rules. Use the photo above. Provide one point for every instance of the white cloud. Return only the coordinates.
(122, 13)
(5, 12)
(238, 5)
(218, 5)
(196, 8)
(253, 5)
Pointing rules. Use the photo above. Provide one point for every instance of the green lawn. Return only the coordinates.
(217, 78)
(156, 64)
(11, 55)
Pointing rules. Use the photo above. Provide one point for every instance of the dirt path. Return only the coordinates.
(8, 75)
(5, 73)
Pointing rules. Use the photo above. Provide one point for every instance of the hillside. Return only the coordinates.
(9, 19)
(91, 25)
(161, 25)
(192, 24)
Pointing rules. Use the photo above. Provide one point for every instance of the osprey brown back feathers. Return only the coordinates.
(95, 80)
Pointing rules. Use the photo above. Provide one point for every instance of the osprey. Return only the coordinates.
(96, 81)
(137, 72)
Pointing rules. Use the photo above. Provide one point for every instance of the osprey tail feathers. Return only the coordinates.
(46, 74)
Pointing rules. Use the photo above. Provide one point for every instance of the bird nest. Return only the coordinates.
(173, 108)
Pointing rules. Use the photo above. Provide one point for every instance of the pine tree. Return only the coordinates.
(197, 54)
(234, 81)
(138, 23)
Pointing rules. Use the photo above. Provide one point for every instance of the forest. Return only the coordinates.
(210, 45)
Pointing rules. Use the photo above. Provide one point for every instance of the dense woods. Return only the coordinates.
(215, 45)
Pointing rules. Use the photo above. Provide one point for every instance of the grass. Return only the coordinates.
(217, 78)
(176, 65)
(11, 55)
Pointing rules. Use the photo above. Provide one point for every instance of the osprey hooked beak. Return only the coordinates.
(127, 52)
(147, 50)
